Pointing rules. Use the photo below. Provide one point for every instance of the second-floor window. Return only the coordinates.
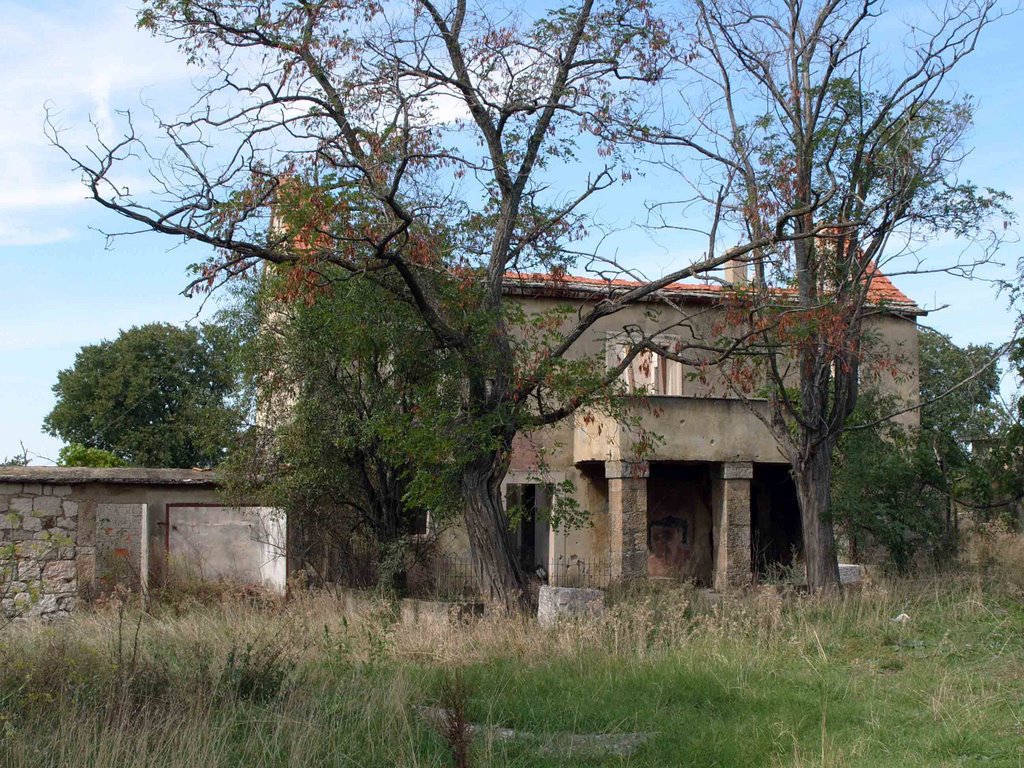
(649, 373)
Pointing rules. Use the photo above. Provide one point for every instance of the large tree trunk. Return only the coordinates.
(814, 493)
(490, 540)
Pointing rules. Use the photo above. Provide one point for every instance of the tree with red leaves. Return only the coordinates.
(414, 142)
(810, 123)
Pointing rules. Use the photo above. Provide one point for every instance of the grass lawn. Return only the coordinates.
(756, 680)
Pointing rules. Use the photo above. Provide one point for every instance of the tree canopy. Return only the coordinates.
(904, 490)
(158, 395)
(351, 402)
(78, 455)
(960, 386)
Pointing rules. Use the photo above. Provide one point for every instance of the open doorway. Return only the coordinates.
(532, 535)
(679, 521)
(776, 537)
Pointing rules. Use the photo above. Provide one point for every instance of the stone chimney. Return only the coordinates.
(736, 272)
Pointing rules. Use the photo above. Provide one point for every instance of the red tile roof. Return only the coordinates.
(881, 293)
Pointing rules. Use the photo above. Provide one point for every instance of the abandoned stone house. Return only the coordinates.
(713, 499)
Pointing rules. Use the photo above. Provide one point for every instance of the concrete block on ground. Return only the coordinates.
(851, 573)
(557, 603)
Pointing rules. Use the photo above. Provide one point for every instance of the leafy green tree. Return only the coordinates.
(17, 460)
(157, 395)
(78, 455)
(901, 489)
(887, 489)
(998, 480)
(350, 397)
(962, 415)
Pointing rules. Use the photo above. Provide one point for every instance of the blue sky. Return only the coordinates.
(64, 286)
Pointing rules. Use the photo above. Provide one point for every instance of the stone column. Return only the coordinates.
(732, 526)
(627, 518)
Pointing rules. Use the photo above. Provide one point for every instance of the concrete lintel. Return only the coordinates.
(738, 470)
(627, 470)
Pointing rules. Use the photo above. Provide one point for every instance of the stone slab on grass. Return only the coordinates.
(850, 573)
(556, 603)
(578, 746)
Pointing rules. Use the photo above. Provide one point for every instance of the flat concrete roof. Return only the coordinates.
(114, 475)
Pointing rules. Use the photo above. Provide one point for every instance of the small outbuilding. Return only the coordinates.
(70, 533)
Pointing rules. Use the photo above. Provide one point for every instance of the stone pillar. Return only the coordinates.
(732, 526)
(627, 518)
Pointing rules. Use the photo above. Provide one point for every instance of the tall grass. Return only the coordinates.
(766, 678)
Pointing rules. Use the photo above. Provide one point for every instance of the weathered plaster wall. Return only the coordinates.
(586, 549)
(687, 429)
(892, 365)
(707, 424)
(680, 521)
(237, 544)
(891, 340)
(125, 526)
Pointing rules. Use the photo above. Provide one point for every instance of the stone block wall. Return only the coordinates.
(69, 534)
(731, 503)
(58, 546)
(627, 518)
(38, 550)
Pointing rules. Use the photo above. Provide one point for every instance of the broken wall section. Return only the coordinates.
(59, 547)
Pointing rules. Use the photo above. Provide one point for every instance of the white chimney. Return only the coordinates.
(736, 272)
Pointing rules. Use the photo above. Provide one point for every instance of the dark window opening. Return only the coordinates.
(528, 502)
(776, 538)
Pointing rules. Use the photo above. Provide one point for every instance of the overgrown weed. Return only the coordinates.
(808, 681)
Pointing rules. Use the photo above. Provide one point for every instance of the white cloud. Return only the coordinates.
(40, 195)
(20, 234)
(82, 63)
